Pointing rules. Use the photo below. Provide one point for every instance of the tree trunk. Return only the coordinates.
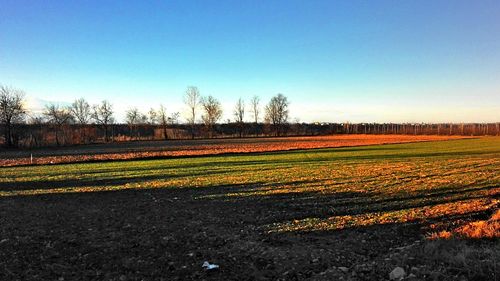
(8, 139)
(57, 136)
(106, 138)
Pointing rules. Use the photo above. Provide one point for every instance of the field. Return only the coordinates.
(351, 213)
(199, 147)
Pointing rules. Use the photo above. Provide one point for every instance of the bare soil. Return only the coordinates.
(169, 234)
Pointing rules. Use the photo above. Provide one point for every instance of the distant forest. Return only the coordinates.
(82, 123)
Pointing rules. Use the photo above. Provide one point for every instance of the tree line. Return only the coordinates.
(83, 123)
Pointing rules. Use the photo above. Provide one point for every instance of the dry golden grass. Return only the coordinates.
(482, 229)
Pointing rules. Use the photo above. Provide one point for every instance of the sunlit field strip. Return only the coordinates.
(182, 148)
(377, 184)
(377, 218)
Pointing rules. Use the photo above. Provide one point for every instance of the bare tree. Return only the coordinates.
(81, 111)
(277, 112)
(103, 115)
(174, 118)
(239, 115)
(152, 117)
(58, 116)
(163, 119)
(143, 119)
(132, 115)
(255, 109)
(192, 100)
(134, 118)
(212, 112)
(254, 104)
(11, 110)
(36, 133)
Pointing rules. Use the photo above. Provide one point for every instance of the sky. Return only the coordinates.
(336, 61)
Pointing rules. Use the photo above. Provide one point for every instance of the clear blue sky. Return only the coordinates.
(335, 60)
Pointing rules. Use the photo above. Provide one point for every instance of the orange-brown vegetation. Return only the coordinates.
(481, 229)
(182, 148)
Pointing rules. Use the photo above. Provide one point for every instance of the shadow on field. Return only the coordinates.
(295, 205)
(379, 157)
(285, 201)
(147, 233)
(115, 181)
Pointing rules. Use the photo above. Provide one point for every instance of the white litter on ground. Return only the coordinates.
(209, 266)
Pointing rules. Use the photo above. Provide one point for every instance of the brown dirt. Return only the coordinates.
(168, 234)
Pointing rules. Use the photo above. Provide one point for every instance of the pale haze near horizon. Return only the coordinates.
(336, 61)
